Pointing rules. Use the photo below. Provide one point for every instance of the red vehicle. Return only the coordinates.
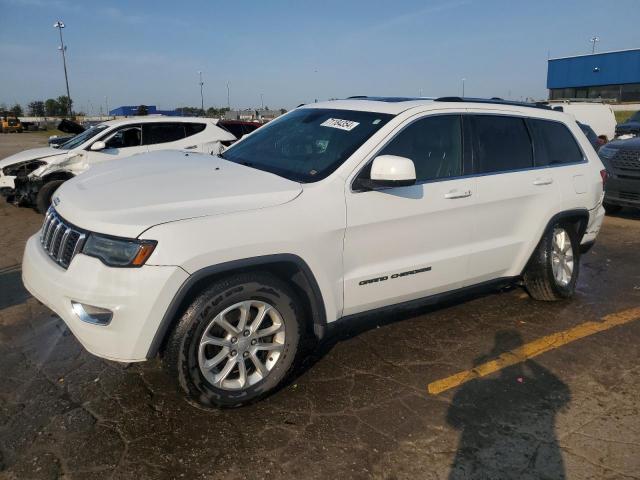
(238, 128)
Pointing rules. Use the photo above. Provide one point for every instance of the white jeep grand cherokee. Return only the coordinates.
(223, 264)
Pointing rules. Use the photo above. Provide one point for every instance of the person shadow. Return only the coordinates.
(507, 423)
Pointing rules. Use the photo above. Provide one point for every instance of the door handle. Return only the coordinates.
(457, 194)
(543, 181)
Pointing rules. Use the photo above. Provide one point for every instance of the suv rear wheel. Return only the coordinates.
(237, 342)
(552, 272)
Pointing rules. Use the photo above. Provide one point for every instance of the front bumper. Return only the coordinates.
(138, 298)
(623, 191)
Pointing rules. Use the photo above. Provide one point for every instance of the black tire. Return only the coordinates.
(539, 279)
(181, 352)
(43, 199)
(610, 208)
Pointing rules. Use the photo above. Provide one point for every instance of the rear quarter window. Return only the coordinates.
(193, 128)
(553, 143)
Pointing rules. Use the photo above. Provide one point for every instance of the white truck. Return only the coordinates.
(223, 264)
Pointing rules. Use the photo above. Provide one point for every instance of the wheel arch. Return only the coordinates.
(578, 217)
(57, 175)
(288, 267)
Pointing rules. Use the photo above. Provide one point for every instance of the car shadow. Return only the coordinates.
(507, 421)
(12, 292)
(345, 330)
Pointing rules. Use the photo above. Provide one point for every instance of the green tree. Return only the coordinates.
(36, 108)
(142, 110)
(17, 110)
(283, 111)
(51, 107)
(65, 105)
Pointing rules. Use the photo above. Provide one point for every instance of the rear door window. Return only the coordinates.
(163, 133)
(553, 143)
(502, 143)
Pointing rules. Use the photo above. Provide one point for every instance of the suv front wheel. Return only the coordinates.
(237, 342)
(552, 271)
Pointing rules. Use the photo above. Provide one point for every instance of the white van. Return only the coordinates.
(599, 116)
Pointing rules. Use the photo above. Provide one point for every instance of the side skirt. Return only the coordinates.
(363, 318)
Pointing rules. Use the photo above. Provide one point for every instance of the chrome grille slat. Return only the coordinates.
(52, 224)
(45, 226)
(60, 240)
(63, 243)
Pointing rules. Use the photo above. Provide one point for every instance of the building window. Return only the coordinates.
(630, 92)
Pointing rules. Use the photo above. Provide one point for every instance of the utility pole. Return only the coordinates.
(262, 100)
(228, 97)
(201, 94)
(59, 25)
(463, 80)
(593, 41)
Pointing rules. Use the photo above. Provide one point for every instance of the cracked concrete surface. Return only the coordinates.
(358, 409)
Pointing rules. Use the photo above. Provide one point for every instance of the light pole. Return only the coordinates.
(228, 97)
(593, 41)
(262, 100)
(201, 94)
(59, 25)
(463, 80)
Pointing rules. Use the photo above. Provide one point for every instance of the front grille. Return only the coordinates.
(626, 160)
(631, 196)
(61, 240)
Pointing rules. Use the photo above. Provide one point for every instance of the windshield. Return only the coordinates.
(307, 144)
(83, 137)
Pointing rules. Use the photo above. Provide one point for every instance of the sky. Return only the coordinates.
(292, 52)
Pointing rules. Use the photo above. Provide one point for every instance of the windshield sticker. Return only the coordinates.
(347, 125)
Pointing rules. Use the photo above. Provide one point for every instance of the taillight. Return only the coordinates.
(605, 176)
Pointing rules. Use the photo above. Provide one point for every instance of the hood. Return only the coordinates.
(621, 127)
(626, 144)
(124, 198)
(32, 154)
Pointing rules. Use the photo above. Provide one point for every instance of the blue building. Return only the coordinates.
(132, 110)
(611, 76)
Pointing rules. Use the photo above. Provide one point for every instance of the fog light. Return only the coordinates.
(91, 314)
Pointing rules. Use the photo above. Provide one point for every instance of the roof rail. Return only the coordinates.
(494, 101)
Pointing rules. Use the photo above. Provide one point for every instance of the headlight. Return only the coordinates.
(607, 152)
(118, 252)
(23, 168)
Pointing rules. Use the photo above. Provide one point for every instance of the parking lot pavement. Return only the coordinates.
(514, 398)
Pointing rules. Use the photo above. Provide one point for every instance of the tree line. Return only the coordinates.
(59, 107)
(52, 107)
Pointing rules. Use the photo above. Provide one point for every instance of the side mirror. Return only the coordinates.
(99, 145)
(390, 171)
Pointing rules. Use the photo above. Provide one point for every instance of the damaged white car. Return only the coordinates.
(29, 178)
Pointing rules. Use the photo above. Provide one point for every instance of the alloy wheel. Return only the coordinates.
(241, 345)
(562, 257)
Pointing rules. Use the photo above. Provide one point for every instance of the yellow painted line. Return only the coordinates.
(535, 348)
